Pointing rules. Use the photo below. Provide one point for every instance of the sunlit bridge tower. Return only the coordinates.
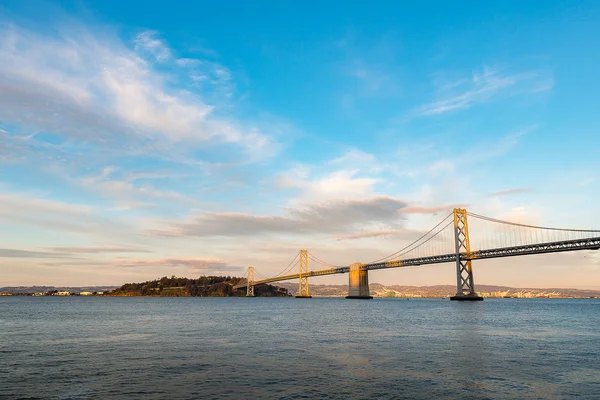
(250, 282)
(465, 287)
(303, 276)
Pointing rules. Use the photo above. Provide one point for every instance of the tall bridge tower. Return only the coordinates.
(250, 282)
(465, 286)
(303, 276)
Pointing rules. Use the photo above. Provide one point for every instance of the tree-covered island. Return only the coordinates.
(205, 286)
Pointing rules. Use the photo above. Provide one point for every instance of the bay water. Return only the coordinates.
(286, 348)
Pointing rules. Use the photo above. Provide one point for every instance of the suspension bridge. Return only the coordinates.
(448, 242)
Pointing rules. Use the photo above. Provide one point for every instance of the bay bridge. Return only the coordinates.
(447, 242)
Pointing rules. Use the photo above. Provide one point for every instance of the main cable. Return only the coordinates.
(410, 245)
(416, 247)
(319, 261)
(289, 266)
(528, 226)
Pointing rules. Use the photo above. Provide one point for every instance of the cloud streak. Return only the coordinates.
(96, 250)
(325, 217)
(193, 263)
(13, 253)
(485, 87)
(510, 191)
(429, 210)
(367, 235)
(56, 215)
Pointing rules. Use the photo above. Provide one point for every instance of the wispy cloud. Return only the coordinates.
(193, 263)
(337, 184)
(485, 86)
(83, 86)
(96, 250)
(14, 253)
(511, 191)
(367, 235)
(429, 210)
(56, 215)
(353, 157)
(319, 218)
(499, 147)
(128, 191)
(374, 79)
(149, 42)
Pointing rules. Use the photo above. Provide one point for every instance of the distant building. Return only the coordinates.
(5, 294)
(99, 292)
(63, 293)
(85, 293)
(38, 294)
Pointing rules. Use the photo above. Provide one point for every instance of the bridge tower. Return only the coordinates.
(303, 276)
(250, 282)
(465, 286)
(358, 285)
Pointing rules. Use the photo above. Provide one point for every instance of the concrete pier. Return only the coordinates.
(466, 297)
(358, 285)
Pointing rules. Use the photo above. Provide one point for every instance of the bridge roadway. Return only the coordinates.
(538, 248)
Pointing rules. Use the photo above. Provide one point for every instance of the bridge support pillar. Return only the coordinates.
(358, 286)
(303, 276)
(250, 282)
(465, 286)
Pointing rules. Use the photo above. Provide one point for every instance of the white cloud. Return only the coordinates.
(56, 215)
(483, 87)
(318, 218)
(15, 253)
(126, 191)
(409, 233)
(429, 210)
(339, 184)
(354, 156)
(148, 42)
(193, 263)
(96, 249)
(507, 192)
(85, 86)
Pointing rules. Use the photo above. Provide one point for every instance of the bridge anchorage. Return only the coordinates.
(448, 242)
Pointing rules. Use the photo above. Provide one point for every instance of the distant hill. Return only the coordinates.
(209, 286)
(45, 289)
(219, 286)
(490, 291)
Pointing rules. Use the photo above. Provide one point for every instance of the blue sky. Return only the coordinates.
(143, 139)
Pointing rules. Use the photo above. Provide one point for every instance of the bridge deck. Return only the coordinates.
(539, 248)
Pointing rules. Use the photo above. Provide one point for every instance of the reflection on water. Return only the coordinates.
(209, 348)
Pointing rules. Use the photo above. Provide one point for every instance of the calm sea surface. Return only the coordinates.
(211, 348)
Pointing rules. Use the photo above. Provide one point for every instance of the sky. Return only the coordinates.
(143, 139)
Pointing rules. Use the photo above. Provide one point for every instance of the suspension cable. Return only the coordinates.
(289, 265)
(259, 275)
(319, 261)
(527, 226)
(420, 244)
(403, 249)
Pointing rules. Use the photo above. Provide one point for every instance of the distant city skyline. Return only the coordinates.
(140, 140)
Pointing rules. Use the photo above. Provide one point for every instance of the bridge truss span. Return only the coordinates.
(449, 241)
(540, 248)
